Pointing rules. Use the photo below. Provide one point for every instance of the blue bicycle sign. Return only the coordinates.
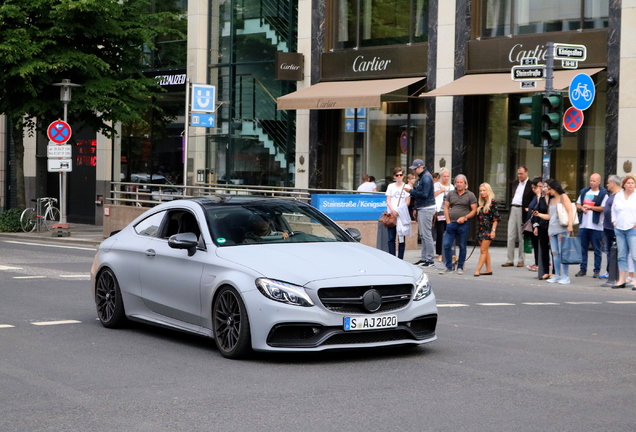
(582, 92)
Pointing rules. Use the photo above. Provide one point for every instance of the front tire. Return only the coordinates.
(110, 305)
(231, 324)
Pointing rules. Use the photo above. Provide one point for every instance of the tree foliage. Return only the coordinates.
(98, 44)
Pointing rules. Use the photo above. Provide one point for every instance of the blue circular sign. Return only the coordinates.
(582, 92)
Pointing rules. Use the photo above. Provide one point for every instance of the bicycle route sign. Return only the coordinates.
(582, 92)
(59, 132)
(573, 119)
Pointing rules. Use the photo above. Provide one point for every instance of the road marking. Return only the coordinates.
(541, 304)
(495, 304)
(49, 323)
(583, 303)
(9, 268)
(50, 245)
(622, 302)
(6, 326)
(29, 277)
(451, 305)
(76, 276)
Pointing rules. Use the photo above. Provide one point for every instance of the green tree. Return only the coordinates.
(98, 44)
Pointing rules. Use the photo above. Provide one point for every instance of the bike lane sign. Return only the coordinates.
(582, 92)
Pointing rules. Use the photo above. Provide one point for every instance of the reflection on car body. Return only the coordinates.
(305, 285)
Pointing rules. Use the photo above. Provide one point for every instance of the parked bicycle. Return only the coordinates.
(44, 214)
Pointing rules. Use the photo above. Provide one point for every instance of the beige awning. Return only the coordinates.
(347, 94)
(501, 83)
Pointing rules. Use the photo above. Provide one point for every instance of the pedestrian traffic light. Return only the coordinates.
(533, 118)
(553, 119)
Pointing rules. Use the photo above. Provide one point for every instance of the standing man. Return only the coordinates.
(425, 205)
(459, 207)
(613, 186)
(591, 202)
(521, 197)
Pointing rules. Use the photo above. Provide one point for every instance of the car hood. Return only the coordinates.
(303, 263)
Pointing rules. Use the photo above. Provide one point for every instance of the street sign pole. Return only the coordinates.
(186, 131)
(549, 89)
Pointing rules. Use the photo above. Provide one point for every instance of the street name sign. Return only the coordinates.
(570, 52)
(528, 73)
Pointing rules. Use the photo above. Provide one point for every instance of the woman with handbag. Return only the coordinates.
(624, 220)
(397, 202)
(540, 226)
(487, 220)
(441, 189)
(556, 231)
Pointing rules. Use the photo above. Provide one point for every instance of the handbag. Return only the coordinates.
(389, 220)
(563, 214)
(571, 250)
(527, 226)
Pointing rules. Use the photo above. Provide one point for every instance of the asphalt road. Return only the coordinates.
(514, 355)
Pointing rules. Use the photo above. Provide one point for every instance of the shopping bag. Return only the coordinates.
(527, 244)
(571, 250)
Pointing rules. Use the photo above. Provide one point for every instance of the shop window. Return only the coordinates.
(366, 23)
(517, 17)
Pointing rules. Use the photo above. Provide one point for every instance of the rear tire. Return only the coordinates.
(110, 305)
(231, 324)
(51, 217)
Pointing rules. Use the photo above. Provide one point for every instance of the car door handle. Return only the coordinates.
(150, 252)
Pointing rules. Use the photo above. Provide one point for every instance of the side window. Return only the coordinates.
(150, 226)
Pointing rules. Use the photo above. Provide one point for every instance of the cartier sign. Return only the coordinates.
(289, 66)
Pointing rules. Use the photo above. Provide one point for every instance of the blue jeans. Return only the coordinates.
(610, 238)
(626, 244)
(586, 236)
(401, 246)
(459, 231)
(556, 243)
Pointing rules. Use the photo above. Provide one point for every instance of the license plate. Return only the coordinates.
(370, 322)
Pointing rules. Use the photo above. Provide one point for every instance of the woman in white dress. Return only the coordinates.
(397, 201)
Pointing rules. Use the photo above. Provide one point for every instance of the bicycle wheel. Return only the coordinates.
(28, 220)
(51, 217)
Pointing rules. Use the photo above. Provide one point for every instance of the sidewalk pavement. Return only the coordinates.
(92, 235)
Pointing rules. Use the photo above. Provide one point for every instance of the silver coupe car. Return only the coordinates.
(259, 274)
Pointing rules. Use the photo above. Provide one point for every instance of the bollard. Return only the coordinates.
(613, 267)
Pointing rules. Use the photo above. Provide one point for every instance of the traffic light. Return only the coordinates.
(533, 118)
(553, 119)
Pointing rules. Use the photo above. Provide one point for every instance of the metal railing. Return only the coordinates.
(143, 194)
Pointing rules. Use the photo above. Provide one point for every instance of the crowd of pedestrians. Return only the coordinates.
(444, 210)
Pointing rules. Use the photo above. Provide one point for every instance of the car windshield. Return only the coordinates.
(265, 222)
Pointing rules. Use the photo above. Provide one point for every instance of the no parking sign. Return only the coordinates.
(59, 132)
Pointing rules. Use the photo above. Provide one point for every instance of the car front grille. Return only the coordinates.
(349, 299)
(304, 335)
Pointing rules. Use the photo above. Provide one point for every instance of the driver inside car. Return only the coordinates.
(262, 228)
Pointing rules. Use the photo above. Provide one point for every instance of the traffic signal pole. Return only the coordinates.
(549, 89)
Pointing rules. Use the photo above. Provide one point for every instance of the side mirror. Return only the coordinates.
(354, 233)
(188, 241)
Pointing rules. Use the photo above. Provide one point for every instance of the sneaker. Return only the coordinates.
(604, 276)
(508, 264)
(445, 271)
(419, 262)
(554, 279)
(460, 271)
(596, 275)
(428, 264)
(581, 273)
(564, 280)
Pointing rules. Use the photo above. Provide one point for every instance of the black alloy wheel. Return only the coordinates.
(110, 306)
(231, 325)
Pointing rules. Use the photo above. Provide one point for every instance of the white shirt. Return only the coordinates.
(367, 187)
(624, 211)
(518, 198)
(439, 199)
(587, 220)
(394, 192)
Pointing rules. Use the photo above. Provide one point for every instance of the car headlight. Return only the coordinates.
(283, 292)
(422, 288)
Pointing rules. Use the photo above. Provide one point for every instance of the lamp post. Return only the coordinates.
(65, 96)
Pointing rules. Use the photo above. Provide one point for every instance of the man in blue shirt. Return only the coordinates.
(425, 205)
